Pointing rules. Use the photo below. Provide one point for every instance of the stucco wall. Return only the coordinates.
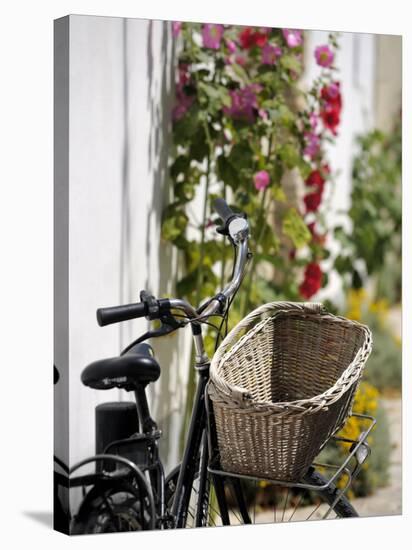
(120, 89)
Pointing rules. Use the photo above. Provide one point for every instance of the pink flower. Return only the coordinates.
(312, 145)
(324, 56)
(243, 103)
(183, 102)
(331, 93)
(261, 180)
(313, 120)
(293, 37)
(263, 114)
(176, 28)
(270, 54)
(212, 35)
(231, 46)
(182, 106)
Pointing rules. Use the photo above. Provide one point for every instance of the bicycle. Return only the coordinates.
(130, 490)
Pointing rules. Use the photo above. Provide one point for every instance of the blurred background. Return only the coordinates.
(301, 130)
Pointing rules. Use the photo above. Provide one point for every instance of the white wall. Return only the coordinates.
(120, 93)
(356, 60)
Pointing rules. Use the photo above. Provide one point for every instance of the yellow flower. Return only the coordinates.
(365, 402)
(355, 301)
(380, 308)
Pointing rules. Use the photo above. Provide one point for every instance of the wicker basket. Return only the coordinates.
(281, 383)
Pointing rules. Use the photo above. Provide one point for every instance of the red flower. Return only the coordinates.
(315, 178)
(330, 116)
(331, 94)
(312, 201)
(249, 38)
(332, 106)
(312, 281)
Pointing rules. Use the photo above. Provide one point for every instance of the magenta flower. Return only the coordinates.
(212, 36)
(293, 37)
(261, 180)
(332, 91)
(312, 145)
(243, 103)
(313, 120)
(231, 46)
(324, 56)
(183, 102)
(176, 28)
(270, 54)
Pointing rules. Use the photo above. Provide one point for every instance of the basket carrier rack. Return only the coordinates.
(358, 452)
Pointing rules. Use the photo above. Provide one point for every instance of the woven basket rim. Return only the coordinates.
(242, 396)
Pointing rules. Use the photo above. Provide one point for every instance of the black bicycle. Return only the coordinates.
(129, 490)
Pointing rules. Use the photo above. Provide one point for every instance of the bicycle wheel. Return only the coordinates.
(279, 504)
(113, 507)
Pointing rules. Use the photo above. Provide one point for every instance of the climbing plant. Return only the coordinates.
(246, 129)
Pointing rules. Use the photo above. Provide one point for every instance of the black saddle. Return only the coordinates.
(136, 367)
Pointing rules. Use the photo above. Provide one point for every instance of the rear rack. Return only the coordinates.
(359, 451)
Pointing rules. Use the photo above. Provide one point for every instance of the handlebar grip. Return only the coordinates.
(116, 314)
(223, 210)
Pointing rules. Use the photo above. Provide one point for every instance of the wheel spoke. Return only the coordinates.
(296, 507)
(286, 502)
(314, 511)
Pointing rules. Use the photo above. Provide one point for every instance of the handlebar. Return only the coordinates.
(237, 228)
(109, 315)
(223, 209)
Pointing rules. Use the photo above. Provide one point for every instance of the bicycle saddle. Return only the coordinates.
(136, 367)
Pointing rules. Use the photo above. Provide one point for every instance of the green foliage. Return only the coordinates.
(384, 367)
(225, 149)
(376, 214)
(295, 228)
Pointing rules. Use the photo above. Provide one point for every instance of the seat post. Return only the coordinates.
(146, 421)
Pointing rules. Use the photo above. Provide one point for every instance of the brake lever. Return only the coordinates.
(169, 324)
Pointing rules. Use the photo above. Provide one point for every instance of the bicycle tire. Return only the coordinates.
(111, 507)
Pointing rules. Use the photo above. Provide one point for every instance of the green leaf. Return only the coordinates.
(281, 114)
(240, 73)
(291, 63)
(174, 223)
(289, 155)
(214, 95)
(226, 172)
(295, 228)
(199, 147)
(241, 155)
(278, 193)
(343, 264)
(179, 166)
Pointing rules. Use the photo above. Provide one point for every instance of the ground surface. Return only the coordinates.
(388, 500)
